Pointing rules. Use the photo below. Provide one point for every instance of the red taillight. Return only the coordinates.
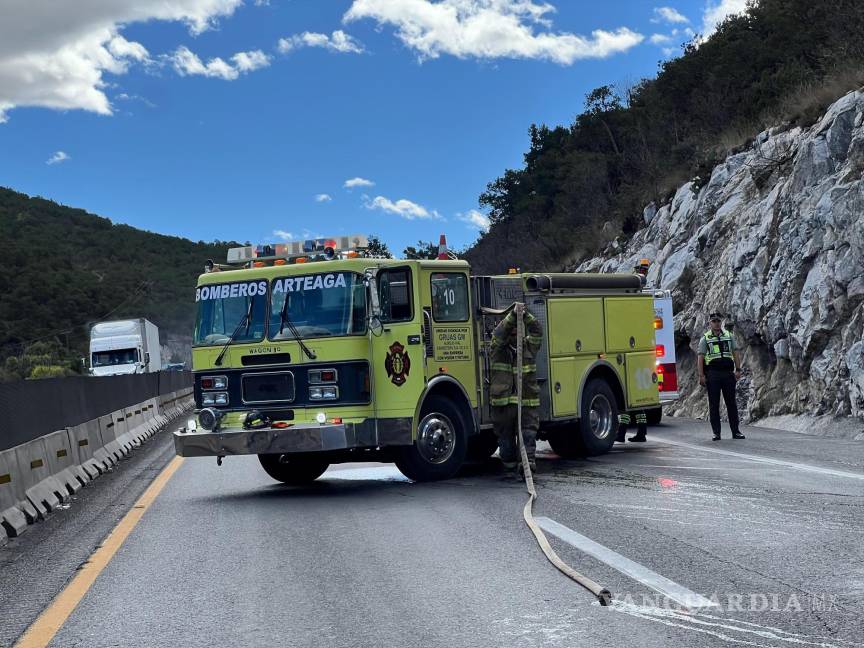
(206, 383)
(668, 377)
(328, 376)
(661, 350)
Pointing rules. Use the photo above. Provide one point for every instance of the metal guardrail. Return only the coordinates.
(30, 409)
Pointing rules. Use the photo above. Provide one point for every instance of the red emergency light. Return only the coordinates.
(660, 350)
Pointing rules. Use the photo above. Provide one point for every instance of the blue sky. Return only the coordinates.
(224, 119)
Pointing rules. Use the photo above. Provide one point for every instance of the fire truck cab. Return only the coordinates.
(311, 353)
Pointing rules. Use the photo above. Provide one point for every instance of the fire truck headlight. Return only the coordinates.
(214, 398)
(323, 393)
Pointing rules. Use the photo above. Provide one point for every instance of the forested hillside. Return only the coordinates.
(783, 62)
(62, 268)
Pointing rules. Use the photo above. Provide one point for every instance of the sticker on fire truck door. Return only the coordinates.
(452, 344)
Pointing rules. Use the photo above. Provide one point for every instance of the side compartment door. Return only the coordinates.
(449, 328)
(642, 389)
(397, 352)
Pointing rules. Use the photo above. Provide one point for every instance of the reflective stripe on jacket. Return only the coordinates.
(502, 388)
(719, 347)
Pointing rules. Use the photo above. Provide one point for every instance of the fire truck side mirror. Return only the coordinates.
(372, 294)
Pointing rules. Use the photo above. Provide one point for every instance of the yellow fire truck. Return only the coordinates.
(311, 353)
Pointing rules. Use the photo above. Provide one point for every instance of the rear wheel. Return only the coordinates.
(654, 416)
(294, 470)
(594, 433)
(441, 444)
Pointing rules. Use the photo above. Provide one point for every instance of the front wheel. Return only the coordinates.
(294, 470)
(442, 441)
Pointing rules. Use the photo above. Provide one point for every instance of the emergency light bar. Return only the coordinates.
(329, 248)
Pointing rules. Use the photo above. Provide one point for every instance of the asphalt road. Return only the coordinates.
(226, 557)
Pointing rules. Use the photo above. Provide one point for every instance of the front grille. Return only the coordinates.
(272, 387)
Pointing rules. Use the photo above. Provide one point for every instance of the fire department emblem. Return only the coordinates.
(397, 364)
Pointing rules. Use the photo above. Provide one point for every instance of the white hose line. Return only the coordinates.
(603, 595)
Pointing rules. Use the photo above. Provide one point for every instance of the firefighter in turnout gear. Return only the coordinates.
(624, 421)
(719, 365)
(502, 390)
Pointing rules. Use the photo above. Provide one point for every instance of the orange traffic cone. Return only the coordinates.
(442, 248)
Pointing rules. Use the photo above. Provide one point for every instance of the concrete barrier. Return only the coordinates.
(61, 462)
(87, 448)
(107, 431)
(14, 508)
(35, 477)
(121, 432)
(41, 487)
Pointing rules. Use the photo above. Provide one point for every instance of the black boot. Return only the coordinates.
(639, 437)
(738, 435)
(716, 436)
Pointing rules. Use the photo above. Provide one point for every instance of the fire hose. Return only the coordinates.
(603, 595)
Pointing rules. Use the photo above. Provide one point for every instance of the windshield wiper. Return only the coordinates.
(245, 321)
(284, 321)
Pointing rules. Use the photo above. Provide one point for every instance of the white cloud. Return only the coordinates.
(715, 13)
(358, 182)
(321, 198)
(669, 15)
(488, 29)
(54, 55)
(57, 158)
(476, 219)
(250, 61)
(338, 41)
(282, 234)
(405, 208)
(660, 39)
(123, 96)
(187, 63)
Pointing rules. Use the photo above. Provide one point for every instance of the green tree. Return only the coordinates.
(423, 250)
(377, 248)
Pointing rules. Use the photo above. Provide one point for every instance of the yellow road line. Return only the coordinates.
(42, 632)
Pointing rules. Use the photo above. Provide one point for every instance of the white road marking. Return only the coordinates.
(674, 467)
(655, 581)
(376, 473)
(767, 460)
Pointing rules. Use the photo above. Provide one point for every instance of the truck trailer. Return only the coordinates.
(309, 353)
(124, 347)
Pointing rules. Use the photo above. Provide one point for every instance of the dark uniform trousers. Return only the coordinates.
(506, 429)
(718, 382)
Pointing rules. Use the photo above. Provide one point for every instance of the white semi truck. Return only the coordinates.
(124, 347)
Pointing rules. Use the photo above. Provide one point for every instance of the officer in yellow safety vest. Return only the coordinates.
(502, 388)
(719, 365)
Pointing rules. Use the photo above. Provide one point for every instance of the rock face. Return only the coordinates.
(775, 238)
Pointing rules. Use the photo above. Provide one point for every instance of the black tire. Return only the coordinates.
(591, 435)
(565, 442)
(441, 445)
(654, 416)
(482, 446)
(294, 470)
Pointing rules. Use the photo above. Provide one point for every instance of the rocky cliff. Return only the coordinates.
(775, 238)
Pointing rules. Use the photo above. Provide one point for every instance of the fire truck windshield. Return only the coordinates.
(222, 306)
(317, 305)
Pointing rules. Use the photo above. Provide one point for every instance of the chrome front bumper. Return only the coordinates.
(302, 437)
